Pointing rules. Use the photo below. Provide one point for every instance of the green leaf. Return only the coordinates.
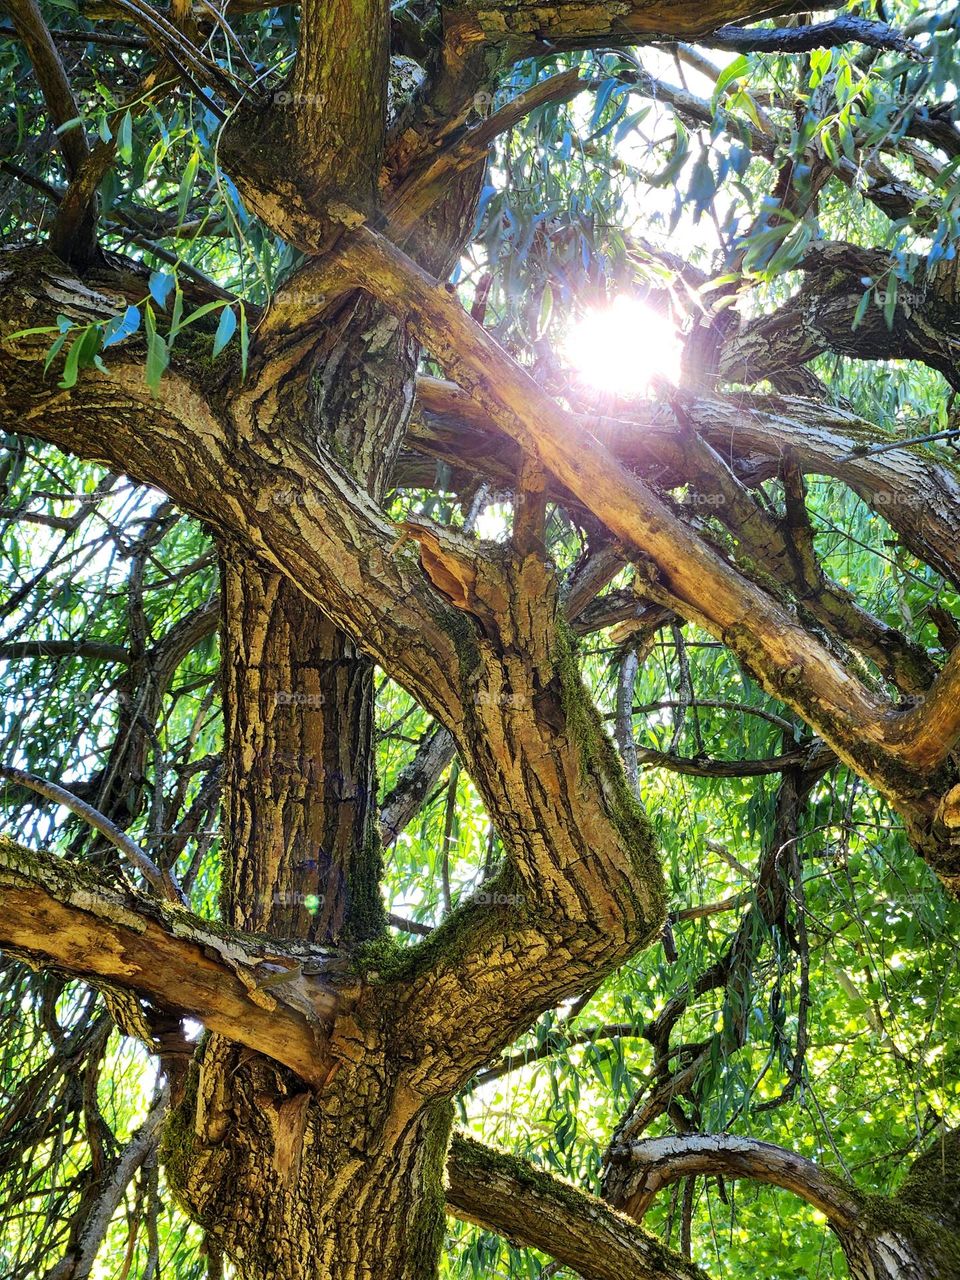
(737, 68)
(199, 313)
(861, 310)
(741, 101)
(158, 353)
(890, 301)
(25, 333)
(225, 330)
(55, 350)
(244, 341)
(121, 327)
(125, 138)
(81, 354)
(175, 325)
(161, 282)
(186, 187)
(546, 310)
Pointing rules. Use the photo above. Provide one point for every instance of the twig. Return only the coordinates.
(165, 885)
(819, 35)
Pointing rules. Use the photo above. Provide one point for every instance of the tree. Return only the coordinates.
(303, 272)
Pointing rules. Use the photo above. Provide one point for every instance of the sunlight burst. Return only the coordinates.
(623, 347)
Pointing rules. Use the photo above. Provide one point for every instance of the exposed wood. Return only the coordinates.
(685, 572)
(61, 916)
(902, 1238)
(656, 1162)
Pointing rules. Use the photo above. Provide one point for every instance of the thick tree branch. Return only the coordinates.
(911, 1234)
(685, 572)
(581, 884)
(916, 493)
(580, 888)
(506, 1194)
(52, 78)
(656, 1162)
(923, 324)
(312, 521)
(845, 29)
(59, 915)
(339, 88)
(581, 24)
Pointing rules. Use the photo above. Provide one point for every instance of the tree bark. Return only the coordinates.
(303, 854)
(506, 1194)
(344, 1182)
(914, 1235)
(311, 1138)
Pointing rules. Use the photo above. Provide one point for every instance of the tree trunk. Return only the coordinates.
(891, 1255)
(345, 1183)
(300, 789)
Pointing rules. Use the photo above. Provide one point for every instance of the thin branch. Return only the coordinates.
(163, 883)
(844, 29)
(137, 1151)
(415, 782)
(86, 37)
(81, 247)
(55, 650)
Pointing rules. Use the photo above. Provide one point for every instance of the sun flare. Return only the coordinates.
(623, 347)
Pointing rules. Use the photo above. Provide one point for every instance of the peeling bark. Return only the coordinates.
(912, 1236)
(60, 915)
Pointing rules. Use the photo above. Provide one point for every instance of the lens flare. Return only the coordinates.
(623, 347)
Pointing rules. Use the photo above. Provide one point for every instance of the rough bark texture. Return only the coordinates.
(182, 964)
(296, 1184)
(505, 1194)
(299, 788)
(574, 23)
(913, 1236)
